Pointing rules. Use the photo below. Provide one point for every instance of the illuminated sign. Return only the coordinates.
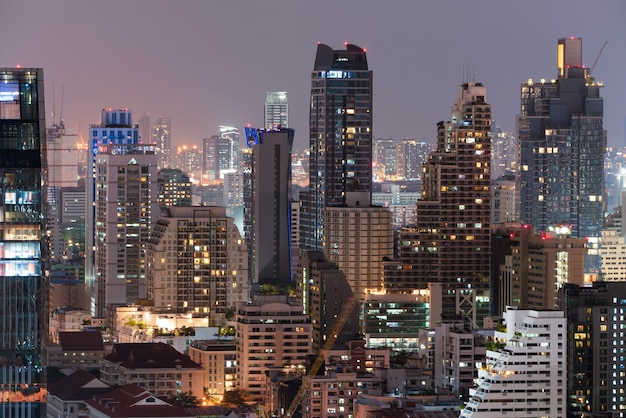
(9, 92)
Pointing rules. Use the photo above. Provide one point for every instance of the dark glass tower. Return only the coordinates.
(340, 135)
(23, 249)
(562, 145)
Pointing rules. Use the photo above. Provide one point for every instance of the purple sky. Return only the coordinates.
(208, 62)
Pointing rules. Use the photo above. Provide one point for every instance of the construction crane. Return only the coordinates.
(591, 79)
(319, 360)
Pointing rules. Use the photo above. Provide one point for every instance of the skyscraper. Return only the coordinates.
(115, 128)
(162, 137)
(562, 144)
(268, 212)
(125, 203)
(340, 135)
(451, 241)
(276, 110)
(23, 287)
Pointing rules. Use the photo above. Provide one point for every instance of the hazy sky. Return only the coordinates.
(209, 62)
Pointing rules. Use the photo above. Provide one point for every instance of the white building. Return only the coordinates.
(271, 332)
(357, 237)
(527, 376)
(125, 203)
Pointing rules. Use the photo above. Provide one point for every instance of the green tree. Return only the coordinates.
(236, 397)
(186, 399)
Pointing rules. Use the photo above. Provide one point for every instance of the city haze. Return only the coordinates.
(210, 63)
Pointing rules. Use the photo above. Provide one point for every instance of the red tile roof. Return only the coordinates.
(132, 401)
(81, 340)
(78, 386)
(149, 356)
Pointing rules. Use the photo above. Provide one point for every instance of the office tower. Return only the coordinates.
(189, 160)
(268, 214)
(284, 338)
(115, 128)
(220, 154)
(232, 198)
(197, 262)
(125, 203)
(527, 376)
(503, 153)
(562, 144)
(162, 138)
(324, 291)
(504, 201)
(23, 246)
(451, 242)
(145, 129)
(340, 135)
(613, 251)
(62, 156)
(595, 338)
(385, 154)
(174, 188)
(411, 155)
(276, 110)
(541, 264)
(357, 237)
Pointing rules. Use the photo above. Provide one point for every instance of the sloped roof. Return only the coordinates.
(81, 340)
(78, 386)
(149, 356)
(132, 401)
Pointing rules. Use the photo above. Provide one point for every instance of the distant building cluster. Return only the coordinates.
(481, 274)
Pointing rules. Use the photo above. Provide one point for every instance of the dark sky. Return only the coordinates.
(209, 62)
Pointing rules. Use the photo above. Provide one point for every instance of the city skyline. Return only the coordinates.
(150, 67)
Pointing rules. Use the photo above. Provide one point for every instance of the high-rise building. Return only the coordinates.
(174, 188)
(189, 160)
(23, 247)
(325, 290)
(451, 241)
(503, 153)
(525, 374)
(220, 154)
(340, 135)
(125, 203)
(358, 237)
(541, 264)
(269, 210)
(595, 337)
(197, 262)
(562, 145)
(115, 128)
(276, 110)
(162, 138)
(282, 338)
(504, 201)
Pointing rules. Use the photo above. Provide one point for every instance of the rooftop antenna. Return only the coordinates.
(53, 103)
(62, 98)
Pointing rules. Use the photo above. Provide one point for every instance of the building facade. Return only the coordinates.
(115, 128)
(525, 374)
(197, 262)
(174, 188)
(23, 246)
(271, 332)
(340, 136)
(162, 139)
(562, 144)
(357, 237)
(276, 110)
(125, 204)
(268, 212)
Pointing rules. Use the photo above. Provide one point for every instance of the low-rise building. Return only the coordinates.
(218, 358)
(157, 367)
(78, 350)
(66, 398)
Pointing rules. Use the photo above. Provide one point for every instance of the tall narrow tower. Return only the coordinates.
(562, 144)
(340, 135)
(23, 249)
(162, 137)
(276, 110)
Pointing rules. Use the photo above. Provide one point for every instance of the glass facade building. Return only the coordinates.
(340, 135)
(23, 249)
(562, 145)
